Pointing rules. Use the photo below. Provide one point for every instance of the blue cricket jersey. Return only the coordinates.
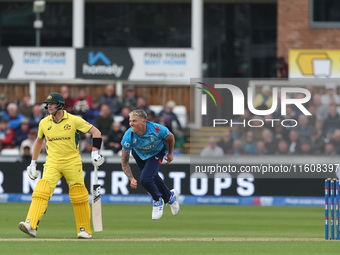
(149, 144)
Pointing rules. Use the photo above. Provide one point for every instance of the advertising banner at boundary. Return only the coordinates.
(42, 63)
(98, 63)
(14, 179)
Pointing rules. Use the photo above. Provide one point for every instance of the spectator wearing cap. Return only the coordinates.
(6, 135)
(330, 97)
(82, 103)
(21, 133)
(94, 111)
(36, 116)
(3, 105)
(13, 117)
(111, 99)
(29, 142)
(130, 100)
(25, 107)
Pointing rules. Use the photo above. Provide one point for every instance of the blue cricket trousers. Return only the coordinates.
(150, 179)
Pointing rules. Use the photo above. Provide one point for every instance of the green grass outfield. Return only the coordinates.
(128, 229)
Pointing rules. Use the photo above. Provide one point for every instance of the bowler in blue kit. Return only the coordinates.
(146, 141)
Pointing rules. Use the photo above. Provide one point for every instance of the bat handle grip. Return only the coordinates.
(95, 175)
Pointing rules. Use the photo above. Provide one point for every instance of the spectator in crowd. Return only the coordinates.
(290, 114)
(331, 123)
(111, 99)
(69, 102)
(226, 142)
(212, 150)
(235, 131)
(281, 68)
(126, 121)
(282, 147)
(152, 117)
(25, 107)
(249, 144)
(130, 100)
(237, 149)
(263, 100)
(13, 117)
(142, 104)
(26, 155)
(104, 121)
(336, 140)
(94, 111)
(280, 132)
(257, 122)
(82, 103)
(329, 149)
(21, 133)
(306, 148)
(36, 116)
(330, 97)
(294, 143)
(29, 142)
(166, 117)
(261, 148)
(269, 141)
(303, 128)
(3, 105)
(321, 112)
(312, 118)
(6, 135)
(85, 143)
(269, 123)
(316, 143)
(114, 138)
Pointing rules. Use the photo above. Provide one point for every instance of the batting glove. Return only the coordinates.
(32, 170)
(97, 159)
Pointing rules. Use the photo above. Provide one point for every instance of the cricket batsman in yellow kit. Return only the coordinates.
(61, 130)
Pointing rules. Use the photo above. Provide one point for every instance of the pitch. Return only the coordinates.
(128, 229)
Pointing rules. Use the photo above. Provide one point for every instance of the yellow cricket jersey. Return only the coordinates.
(62, 139)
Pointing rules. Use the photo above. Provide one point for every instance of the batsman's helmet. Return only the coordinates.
(55, 97)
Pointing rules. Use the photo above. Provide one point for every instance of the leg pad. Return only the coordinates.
(79, 197)
(40, 197)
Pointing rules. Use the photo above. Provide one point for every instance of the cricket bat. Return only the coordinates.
(96, 204)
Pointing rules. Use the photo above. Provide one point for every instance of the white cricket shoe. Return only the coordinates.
(157, 210)
(84, 235)
(173, 202)
(26, 228)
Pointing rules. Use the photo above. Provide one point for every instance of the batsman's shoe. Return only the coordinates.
(173, 202)
(157, 210)
(26, 228)
(84, 235)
